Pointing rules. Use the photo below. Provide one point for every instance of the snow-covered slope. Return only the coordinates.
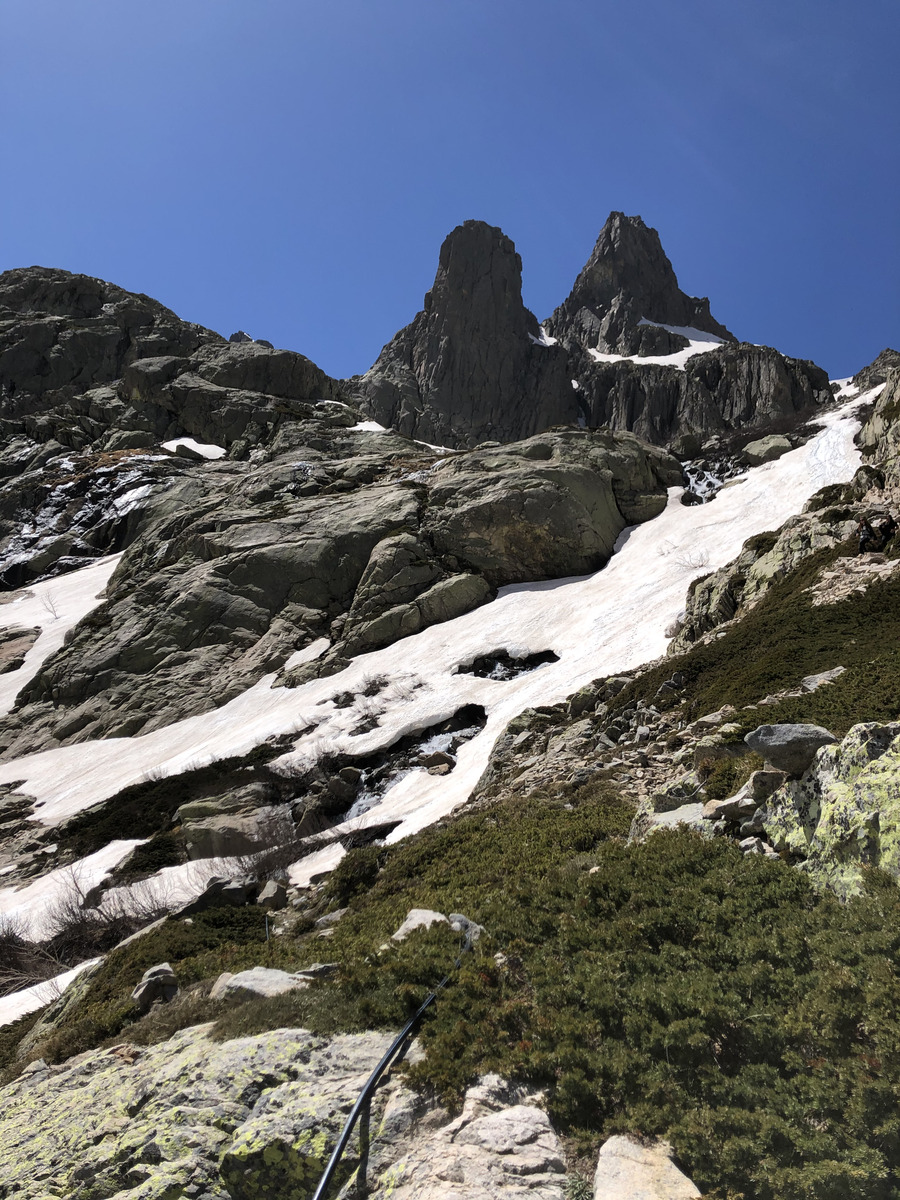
(597, 625)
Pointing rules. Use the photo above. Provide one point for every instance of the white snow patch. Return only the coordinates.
(846, 389)
(55, 605)
(32, 903)
(544, 340)
(201, 448)
(308, 654)
(20, 1004)
(370, 427)
(614, 620)
(701, 342)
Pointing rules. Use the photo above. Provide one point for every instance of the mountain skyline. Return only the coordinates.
(291, 171)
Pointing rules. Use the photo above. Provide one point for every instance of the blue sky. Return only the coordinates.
(291, 168)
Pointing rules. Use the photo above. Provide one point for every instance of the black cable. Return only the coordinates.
(397, 1049)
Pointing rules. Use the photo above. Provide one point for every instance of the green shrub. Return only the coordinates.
(723, 776)
(355, 873)
(681, 990)
(784, 638)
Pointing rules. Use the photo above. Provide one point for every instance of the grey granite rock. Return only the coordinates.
(789, 748)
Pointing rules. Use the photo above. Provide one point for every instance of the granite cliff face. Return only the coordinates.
(626, 350)
(473, 365)
(626, 294)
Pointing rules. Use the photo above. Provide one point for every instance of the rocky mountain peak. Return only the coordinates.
(628, 279)
(479, 278)
(473, 365)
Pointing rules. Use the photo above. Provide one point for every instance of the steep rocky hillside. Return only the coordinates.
(303, 715)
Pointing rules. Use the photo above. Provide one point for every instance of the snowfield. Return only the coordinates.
(55, 606)
(701, 342)
(611, 621)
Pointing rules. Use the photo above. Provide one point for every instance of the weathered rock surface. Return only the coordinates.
(257, 982)
(258, 1117)
(472, 365)
(630, 1170)
(500, 1145)
(879, 371)
(240, 564)
(789, 748)
(765, 450)
(845, 811)
(735, 386)
(157, 983)
(475, 364)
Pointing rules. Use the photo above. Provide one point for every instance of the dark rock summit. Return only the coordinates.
(628, 279)
(474, 364)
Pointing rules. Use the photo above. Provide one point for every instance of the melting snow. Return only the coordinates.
(611, 621)
(701, 342)
(370, 427)
(55, 605)
(32, 903)
(846, 389)
(544, 340)
(19, 1004)
(201, 448)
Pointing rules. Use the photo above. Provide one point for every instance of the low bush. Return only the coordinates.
(723, 776)
(680, 990)
(221, 939)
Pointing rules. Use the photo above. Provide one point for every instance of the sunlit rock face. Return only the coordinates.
(844, 814)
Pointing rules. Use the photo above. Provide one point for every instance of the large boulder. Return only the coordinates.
(501, 1144)
(157, 983)
(845, 812)
(789, 748)
(632, 1170)
(549, 506)
(257, 983)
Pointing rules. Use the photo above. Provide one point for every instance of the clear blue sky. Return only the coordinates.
(291, 168)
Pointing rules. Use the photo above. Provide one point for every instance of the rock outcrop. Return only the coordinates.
(474, 364)
(240, 564)
(626, 293)
(258, 1117)
(844, 813)
(630, 1170)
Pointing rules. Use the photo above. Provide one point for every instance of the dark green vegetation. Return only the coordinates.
(723, 776)
(784, 638)
(222, 939)
(680, 990)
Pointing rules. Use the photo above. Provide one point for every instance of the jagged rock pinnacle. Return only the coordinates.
(472, 364)
(628, 278)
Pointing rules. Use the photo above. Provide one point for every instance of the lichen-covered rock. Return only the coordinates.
(845, 811)
(258, 1117)
(254, 1117)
